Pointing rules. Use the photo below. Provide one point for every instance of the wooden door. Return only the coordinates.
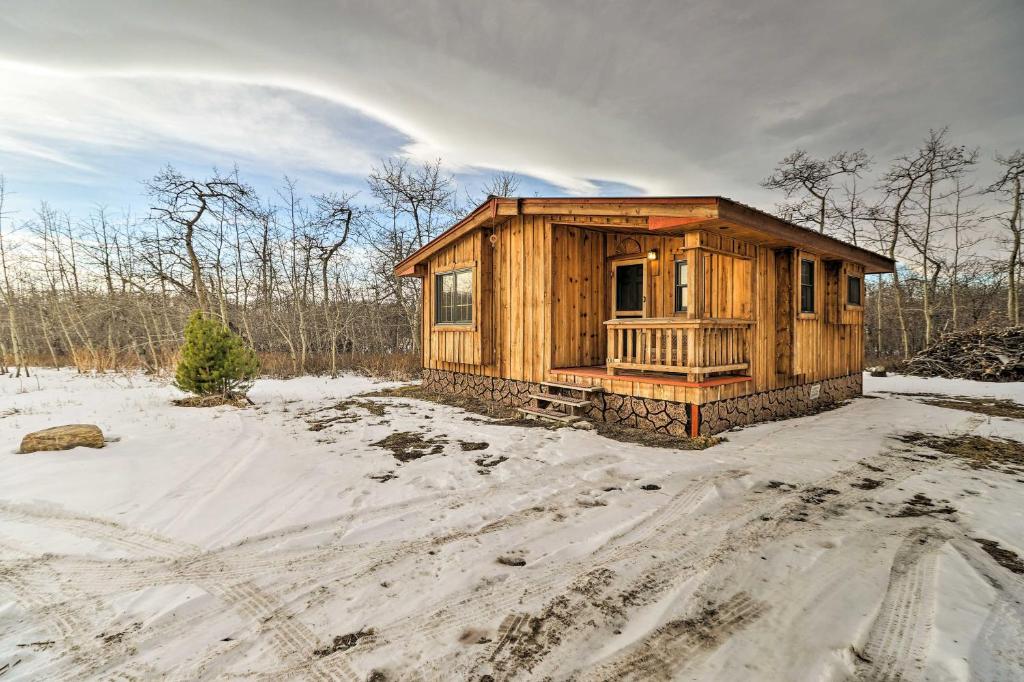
(629, 288)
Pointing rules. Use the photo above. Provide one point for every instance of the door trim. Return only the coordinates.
(615, 264)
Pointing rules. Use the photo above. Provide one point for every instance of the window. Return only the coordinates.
(454, 297)
(682, 298)
(853, 290)
(806, 286)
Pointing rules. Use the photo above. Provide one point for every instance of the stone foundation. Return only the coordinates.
(639, 413)
(781, 403)
(495, 389)
(662, 415)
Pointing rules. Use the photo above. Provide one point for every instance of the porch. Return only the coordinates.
(593, 375)
(700, 349)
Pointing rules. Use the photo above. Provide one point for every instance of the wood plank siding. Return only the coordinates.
(544, 284)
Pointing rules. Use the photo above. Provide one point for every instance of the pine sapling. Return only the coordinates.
(215, 360)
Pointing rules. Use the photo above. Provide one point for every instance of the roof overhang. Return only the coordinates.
(671, 215)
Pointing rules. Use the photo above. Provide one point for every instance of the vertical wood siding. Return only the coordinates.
(542, 291)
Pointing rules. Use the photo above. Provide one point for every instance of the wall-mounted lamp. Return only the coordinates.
(652, 254)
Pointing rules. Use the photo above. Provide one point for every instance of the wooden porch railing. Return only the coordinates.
(678, 345)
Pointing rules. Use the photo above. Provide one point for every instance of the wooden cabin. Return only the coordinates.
(682, 314)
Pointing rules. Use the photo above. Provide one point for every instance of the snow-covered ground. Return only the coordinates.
(225, 543)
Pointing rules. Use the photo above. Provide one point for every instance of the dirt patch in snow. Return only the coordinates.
(472, 446)
(993, 407)
(1004, 557)
(211, 401)
(817, 495)
(475, 405)
(524, 640)
(487, 463)
(345, 414)
(409, 445)
(979, 452)
(712, 624)
(118, 637)
(511, 560)
(374, 408)
(654, 439)
(342, 643)
(922, 505)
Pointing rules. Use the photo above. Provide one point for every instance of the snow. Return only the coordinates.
(219, 542)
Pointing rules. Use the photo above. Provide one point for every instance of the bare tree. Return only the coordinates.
(9, 293)
(181, 203)
(963, 224)
(942, 163)
(1008, 185)
(811, 181)
(907, 180)
(501, 184)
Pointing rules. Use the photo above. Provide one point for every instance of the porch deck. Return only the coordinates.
(661, 379)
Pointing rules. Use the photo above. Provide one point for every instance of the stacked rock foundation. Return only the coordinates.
(662, 415)
(781, 403)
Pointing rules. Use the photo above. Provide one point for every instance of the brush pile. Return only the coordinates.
(986, 354)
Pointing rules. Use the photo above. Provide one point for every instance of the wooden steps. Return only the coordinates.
(548, 415)
(560, 403)
(559, 400)
(585, 390)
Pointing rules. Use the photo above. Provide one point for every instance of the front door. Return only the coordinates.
(629, 290)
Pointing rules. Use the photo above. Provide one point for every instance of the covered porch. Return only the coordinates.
(674, 346)
(673, 351)
(669, 309)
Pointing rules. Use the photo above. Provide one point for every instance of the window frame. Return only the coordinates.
(813, 310)
(684, 285)
(860, 291)
(454, 323)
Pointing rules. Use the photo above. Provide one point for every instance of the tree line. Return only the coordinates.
(307, 279)
(956, 234)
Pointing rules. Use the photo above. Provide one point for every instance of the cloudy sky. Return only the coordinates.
(661, 97)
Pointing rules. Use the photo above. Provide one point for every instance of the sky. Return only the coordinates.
(580, 98)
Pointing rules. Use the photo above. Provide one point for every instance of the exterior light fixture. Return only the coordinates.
(652, 254)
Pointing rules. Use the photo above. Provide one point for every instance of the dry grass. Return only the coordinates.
(485, 408)
(409, 445)
(978, 452)
(211, 401)
(395, 366)
(993, 407)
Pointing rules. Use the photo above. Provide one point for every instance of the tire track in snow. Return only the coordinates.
(998, 646)
(901, 630)
(209, 571)
(692, 556)
(64, 623)
(558, 576)
(289, 638)
(675, 647)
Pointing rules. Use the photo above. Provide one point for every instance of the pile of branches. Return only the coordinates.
(985, 354)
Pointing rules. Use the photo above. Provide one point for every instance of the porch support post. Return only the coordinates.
(695, 283)
(613, 350)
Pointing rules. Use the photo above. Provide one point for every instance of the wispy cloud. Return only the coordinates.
(665, 97)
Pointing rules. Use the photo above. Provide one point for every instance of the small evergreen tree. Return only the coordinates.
(215, 360)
